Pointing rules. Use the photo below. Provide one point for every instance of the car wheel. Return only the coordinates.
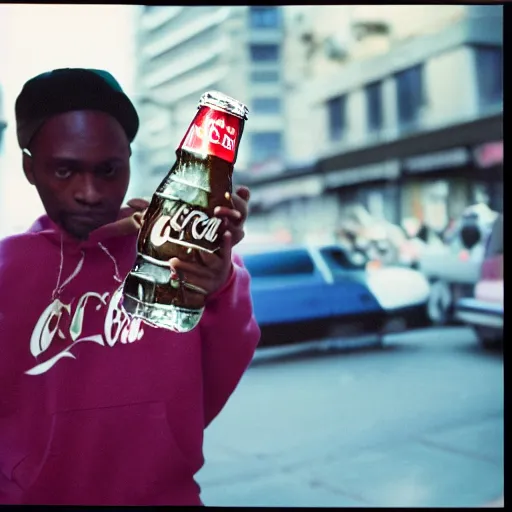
(440, 303)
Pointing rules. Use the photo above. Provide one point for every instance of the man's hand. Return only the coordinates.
(208, 276)
(234, 219)
(213, 271)
(140, 205)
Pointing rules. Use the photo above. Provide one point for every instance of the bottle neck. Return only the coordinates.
(214, 132)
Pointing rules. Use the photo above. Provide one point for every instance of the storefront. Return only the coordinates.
(439, 172)
(293, 208)
(431, 176)
(438, 186)
(488, 159)
(373, 187)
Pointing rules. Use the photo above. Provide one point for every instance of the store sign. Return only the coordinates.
(345, 177)
(456, 157)
(489, 154)
(277, 192)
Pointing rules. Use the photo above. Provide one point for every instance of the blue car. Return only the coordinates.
(303, 293)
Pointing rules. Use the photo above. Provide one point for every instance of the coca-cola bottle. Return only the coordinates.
(179, 221)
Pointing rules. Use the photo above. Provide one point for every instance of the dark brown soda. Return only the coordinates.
(215, 175)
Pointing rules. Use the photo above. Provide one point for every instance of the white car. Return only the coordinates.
(453, 268)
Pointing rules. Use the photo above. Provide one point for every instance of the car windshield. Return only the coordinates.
(339, 258)
(279, 263)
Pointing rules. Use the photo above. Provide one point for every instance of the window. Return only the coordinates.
(286, 263)
(337, 121)
(489, 70)
(374, 113)
(264, 76)
(265, 145)
(410, 98)
(266, 105)
(264, 52)
(264, 17)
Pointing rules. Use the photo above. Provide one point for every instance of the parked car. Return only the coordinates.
(304, 293)
(484, 311)
(453, 268)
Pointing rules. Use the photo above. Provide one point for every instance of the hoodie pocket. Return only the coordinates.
(124, 455)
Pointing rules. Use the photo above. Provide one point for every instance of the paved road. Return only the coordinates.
(419, 423)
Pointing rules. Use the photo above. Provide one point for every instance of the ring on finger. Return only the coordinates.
(194, 288)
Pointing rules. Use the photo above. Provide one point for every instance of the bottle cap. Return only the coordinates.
(220, 101)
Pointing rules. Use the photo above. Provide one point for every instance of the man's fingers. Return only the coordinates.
(224, 211)
(195, 287)
(192, 276)
(241, 201)
(190, 268)
(227, 244)
(243, 192)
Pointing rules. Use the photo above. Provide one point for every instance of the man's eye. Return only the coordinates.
(108, 171)
(63, 173)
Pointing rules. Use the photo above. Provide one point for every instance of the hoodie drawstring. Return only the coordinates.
(60, 287)
(117, 277)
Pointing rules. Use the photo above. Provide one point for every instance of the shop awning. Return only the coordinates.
(467, 134)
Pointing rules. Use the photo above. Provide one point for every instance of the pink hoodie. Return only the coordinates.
(97, 408)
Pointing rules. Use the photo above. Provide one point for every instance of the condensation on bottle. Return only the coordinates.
(179, 221)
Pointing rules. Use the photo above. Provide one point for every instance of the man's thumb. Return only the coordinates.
(138, 203)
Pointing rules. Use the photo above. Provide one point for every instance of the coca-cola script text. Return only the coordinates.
(202, 227)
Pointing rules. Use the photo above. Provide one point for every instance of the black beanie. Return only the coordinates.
(64, 90)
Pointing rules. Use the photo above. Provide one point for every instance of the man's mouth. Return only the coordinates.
(93, 219)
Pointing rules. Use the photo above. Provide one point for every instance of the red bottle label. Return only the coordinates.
(213, 133)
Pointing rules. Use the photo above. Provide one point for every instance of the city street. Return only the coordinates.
(418, 423)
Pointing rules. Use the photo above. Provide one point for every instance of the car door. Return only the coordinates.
(350, 292)
(490, 285)
(287, 287)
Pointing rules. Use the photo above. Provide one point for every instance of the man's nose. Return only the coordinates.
(88, 192)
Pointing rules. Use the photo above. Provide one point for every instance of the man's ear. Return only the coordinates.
(28, 165)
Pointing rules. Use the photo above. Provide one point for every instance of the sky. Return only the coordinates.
(35, 38)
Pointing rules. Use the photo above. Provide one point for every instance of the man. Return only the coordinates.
(97, 408)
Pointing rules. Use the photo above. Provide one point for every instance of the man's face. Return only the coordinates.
(80, 167)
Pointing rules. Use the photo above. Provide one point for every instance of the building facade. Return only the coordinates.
(412, 130)
(183, 52)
